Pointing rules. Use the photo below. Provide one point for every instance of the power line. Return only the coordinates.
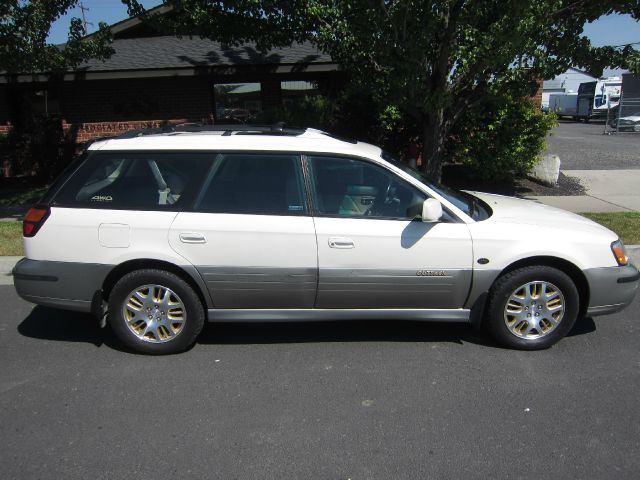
(626, 44)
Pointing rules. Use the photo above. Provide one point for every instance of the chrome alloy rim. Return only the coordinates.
(534, 310)
(154, 313)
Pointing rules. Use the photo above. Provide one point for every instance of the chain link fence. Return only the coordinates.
(626, 118)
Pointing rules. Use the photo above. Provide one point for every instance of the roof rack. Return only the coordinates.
(227, 130)
(143, 131)
(241, 129)
(276, 129)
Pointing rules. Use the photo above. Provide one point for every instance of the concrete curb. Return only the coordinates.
(7, 264)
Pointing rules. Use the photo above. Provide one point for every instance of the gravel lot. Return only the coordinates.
(383, 400)
(582, 146)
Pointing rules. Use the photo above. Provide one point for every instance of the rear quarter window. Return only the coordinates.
(138, 180)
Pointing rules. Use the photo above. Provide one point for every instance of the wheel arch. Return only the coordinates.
(189, 274)
(565, 266)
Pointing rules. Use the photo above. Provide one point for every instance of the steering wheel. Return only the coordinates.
(381, 201)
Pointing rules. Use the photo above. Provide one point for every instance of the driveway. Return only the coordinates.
(375, 400)
(582, 146)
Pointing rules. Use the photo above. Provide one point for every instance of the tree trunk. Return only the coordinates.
(433, 144)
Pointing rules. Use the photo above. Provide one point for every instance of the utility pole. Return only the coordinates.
(85, 24)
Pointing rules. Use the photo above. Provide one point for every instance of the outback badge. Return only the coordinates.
(431, 273)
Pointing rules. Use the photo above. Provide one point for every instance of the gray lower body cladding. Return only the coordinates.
(611, 288)
(392, 288)
(260, 287)
(73, 286)
(67, 285)
(337, 288)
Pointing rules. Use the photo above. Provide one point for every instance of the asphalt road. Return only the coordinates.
(582, 146)
(328, 401)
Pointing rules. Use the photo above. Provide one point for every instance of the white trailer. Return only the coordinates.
(564, 104)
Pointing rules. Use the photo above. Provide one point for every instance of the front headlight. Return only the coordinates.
(620, 253)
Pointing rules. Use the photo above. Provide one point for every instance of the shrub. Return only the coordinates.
(313, 111)
(501, 140)
(38, 148)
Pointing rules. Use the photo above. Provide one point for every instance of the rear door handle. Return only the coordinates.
(192, 237)
(341, 242)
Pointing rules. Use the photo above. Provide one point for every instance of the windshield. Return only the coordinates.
(472, 206)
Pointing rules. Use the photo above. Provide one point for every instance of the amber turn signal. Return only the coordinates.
(620, 253)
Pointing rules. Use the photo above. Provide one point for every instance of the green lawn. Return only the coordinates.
(11, 238)
(625, 224)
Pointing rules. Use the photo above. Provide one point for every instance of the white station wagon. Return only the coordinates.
(156, 232)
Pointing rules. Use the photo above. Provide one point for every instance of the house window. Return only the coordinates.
(237, 102)
(41, 101)
(294, 91)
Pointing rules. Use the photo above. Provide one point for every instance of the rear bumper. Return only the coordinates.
(611, 288)
(66, 285)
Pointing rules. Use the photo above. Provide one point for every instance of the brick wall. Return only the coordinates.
(537, 98)
(104, 108)
(87, 131)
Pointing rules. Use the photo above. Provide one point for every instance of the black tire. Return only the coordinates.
(189, 330)
(507, 284)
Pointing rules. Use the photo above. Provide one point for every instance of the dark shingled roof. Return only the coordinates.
(172, 52)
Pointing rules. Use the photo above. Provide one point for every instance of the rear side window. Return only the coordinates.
(136, 180)
(259, 184)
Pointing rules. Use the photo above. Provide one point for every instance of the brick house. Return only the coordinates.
(153, 78)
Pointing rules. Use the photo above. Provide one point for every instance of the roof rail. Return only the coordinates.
(275, 129)
(145, 131)
(227, 129)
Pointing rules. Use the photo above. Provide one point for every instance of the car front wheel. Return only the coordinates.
(531, 308)
(155, 312)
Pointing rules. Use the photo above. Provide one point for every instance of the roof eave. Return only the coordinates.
(169, 72)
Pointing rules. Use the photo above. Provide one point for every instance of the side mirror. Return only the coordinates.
(431, 210)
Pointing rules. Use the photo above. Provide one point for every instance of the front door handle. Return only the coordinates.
(341, 242)
(192, 237)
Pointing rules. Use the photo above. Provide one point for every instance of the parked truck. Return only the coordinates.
(596, 98)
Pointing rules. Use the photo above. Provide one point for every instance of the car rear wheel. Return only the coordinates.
(531, 308)
(155, 312)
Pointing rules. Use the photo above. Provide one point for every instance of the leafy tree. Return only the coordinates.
(38, 142)
(24, 27)
(431, 60)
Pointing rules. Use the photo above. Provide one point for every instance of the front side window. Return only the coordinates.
(135, 180)
(259, 184)
(354, 188)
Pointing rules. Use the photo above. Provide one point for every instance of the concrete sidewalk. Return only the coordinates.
(606, 191)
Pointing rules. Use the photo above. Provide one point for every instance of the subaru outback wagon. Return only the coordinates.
(156, 232)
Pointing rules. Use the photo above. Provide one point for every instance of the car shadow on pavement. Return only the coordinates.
(341, 331)
(583, 326)
(66, 326)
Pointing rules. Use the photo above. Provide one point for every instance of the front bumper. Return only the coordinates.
(66, 285)
(611, 288)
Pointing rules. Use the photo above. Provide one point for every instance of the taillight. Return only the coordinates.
(33, 220)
